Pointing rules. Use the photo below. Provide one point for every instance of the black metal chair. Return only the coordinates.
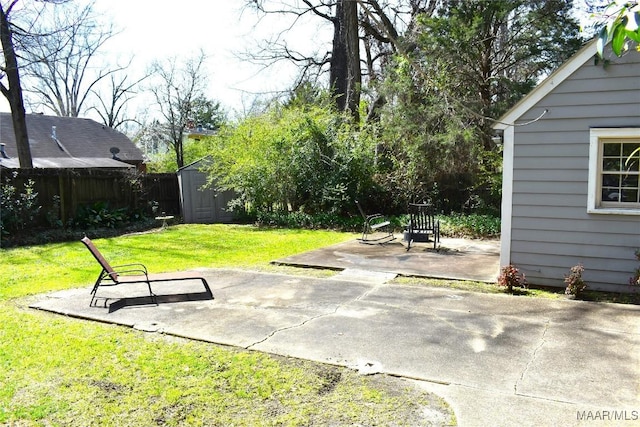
(377, 229)
(422, 224)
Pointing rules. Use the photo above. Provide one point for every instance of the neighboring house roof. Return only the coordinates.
(69, 163)
(69, 142)
(587, 53)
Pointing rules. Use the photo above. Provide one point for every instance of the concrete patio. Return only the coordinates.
(497, 359)
(458, 259)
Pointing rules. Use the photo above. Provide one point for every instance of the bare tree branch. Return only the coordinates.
(112, 106)
(180, 83)
(382, 24)
(64, 67)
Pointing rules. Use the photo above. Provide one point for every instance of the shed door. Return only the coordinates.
(203, 201)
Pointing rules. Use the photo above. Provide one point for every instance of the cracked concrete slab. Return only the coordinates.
(499, 360)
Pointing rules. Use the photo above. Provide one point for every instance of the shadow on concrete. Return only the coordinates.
(115, 304)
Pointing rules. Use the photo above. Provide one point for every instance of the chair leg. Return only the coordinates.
(364, 233)
(94, 290)
(206, 287)
(153, 296)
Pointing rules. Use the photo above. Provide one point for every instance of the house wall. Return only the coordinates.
(550, 228)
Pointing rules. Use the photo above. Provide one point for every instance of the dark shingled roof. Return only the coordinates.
(75, 142)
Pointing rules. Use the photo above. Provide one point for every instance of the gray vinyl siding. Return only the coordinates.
(551, 230)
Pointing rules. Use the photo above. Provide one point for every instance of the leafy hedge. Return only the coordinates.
(472, 225)
(454, 225)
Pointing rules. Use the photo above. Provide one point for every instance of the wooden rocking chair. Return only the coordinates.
(422, 224)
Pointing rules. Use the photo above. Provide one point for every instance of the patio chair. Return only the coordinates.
(422, 224)
(132, 273)
(377, 229)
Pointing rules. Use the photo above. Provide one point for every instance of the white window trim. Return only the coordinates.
(595, 135)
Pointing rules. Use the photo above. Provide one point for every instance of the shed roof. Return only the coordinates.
(61, 142)
(197, 165)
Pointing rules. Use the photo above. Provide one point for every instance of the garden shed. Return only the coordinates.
(571, 173)
(202, 204)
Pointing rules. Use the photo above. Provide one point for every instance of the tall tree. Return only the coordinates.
(364, 31)
(207, 114)
(386, 28)
(345, 76)
(458, 70)
(65, 66)
(180, 84)
(498, 50)
(344, 58)
(111, 104)
(12, 89)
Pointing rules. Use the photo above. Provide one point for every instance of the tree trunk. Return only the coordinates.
(13, 92)
(344, 75)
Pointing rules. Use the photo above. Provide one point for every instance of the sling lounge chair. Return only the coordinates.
(132, 273)
(376, 229)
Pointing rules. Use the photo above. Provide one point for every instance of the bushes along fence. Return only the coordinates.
(62, 191)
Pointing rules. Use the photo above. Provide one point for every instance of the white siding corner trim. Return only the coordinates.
(507, 196)
(595, 136)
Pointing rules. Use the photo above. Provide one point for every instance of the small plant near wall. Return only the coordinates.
(574, 281)
(635, 279)
(510, 277)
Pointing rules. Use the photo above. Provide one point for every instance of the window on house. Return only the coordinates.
(614, 172)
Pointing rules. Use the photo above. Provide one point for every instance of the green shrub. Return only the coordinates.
(473, 225)
(295, 158)
(635, 279)
(17, 210)
(457, 225)
(100, 215)
(324, 221)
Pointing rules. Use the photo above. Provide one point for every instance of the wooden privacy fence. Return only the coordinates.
(64, 190)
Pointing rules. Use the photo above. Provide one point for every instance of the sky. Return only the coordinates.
(161, 29)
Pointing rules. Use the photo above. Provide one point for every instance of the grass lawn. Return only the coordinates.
(62, 371)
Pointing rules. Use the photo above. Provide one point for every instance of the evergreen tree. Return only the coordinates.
(467, 64)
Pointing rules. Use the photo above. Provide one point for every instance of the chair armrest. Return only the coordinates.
(142, 269)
